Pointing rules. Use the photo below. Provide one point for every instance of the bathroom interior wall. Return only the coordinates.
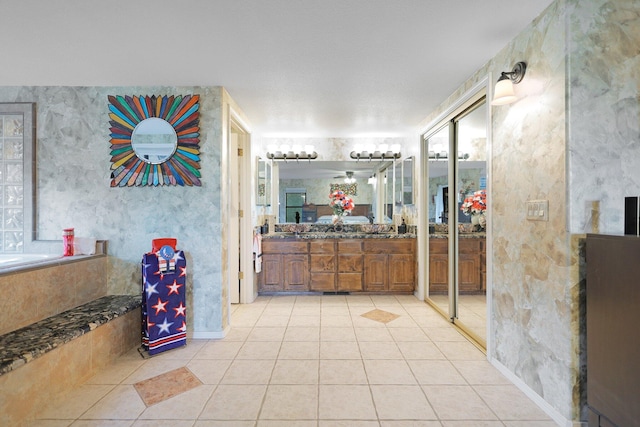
(73, 190)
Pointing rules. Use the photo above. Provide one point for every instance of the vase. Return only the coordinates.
(336, 219)
(478, 221)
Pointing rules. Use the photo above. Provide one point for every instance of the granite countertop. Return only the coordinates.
(473, 235)
(337, 235)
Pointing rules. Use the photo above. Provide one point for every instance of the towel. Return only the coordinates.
(257, 251)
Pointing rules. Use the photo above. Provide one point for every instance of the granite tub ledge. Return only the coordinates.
(337, 235)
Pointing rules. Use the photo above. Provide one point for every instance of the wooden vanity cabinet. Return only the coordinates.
(338, 265)
(322, 265)
(285, 266)
(389, 265)
(350, 265)
(471, 265)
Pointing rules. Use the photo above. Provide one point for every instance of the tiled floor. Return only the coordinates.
(472, 311)
(313, 361)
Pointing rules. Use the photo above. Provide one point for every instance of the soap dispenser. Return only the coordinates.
(265, 227)
(402, 228)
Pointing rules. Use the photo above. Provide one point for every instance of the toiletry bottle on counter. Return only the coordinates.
(402, 228)
(265, 227)
(67, 241)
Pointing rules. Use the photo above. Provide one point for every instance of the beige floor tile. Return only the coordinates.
(458, 403)
(219, 423)
(122, 402)
(460, 350)
(423, 423)
(302, 333)
(379, 350)
(431, 372)
(117, 372)
(510, 403)
(331, 333)
(342, 372)
(219, 350)
(444, 334)
(403, 321)
(290, 402)
(153, 367)
(420, 350)
(346, 402)
(163, 423)
(295, 372)
(209, 371)
(184, 352)
(516, 423)
(76, 402)
(408, 334)
(266, 321)
(248, 372)
(389, 372)
(335, 310)
(474, 423)
(234, 402)
(287, 423)
(270, 333)
(237, 334)
(305, 320)
(327, 300)
(103, 423)
(339, 350)
(185, 406)
(480, 372)
(335, 320)
(373, 334)
(395, 402)
(259, 350)
(47, 423)
(362, 322)
(347, 423)
(299, 350)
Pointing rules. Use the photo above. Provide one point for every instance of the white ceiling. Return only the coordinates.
(334, 68)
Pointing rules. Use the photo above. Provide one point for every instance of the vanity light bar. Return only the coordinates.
(445, 155)
(375, 155)
(279, 155)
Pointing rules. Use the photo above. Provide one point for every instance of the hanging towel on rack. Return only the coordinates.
(257, 251)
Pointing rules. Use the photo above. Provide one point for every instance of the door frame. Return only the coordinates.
(478, 90)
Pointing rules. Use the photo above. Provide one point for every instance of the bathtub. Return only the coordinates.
(20, 260)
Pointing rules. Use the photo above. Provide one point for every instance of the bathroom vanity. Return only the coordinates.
(471, 261)
(338, 262)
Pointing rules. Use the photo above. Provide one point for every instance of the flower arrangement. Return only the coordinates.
(475, 204)
(341, 203)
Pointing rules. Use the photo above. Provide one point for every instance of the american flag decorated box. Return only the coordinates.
(164, 320)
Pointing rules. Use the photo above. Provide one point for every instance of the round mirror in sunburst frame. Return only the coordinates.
(155, 140)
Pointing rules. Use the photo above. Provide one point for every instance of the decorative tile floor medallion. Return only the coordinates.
(157, 389)
(380, 316)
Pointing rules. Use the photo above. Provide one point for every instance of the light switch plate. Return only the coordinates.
(538, 210)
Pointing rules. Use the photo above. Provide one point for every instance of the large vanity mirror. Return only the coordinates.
(154, 140)
(263, 181)
(304, 188)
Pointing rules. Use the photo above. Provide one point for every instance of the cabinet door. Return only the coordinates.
(270, 278)
(469, 268)
(351, 282)
(323, 282)
(438, 272)
(376, 272)
(402, 272)
(296, 270)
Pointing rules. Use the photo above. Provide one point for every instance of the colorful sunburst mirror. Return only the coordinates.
(155, 140)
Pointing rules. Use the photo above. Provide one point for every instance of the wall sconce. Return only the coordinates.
(296, 152)
(503, 93)
(373, 152)
(349, 179)
(443, 155)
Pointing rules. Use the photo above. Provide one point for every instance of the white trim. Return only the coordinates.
(203, 335)
(535, 397)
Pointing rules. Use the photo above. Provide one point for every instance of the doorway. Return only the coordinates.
(455, 155)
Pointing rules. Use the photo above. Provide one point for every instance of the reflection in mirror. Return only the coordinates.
(263, 196)
(407, 181)
(315, 179)
(154, 140)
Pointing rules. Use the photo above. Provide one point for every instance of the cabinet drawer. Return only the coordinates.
(389, 246)
(322, 282)
(271, 247)
(322, 246)
(350, 246)
(349, 282)
(439, 246)
(350, 263)
(322, 263)
(469, 246)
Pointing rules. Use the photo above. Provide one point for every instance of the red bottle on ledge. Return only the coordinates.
(67, 241)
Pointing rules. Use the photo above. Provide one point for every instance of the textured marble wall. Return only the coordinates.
(604, 100)
(73, 177)
(534, 324)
